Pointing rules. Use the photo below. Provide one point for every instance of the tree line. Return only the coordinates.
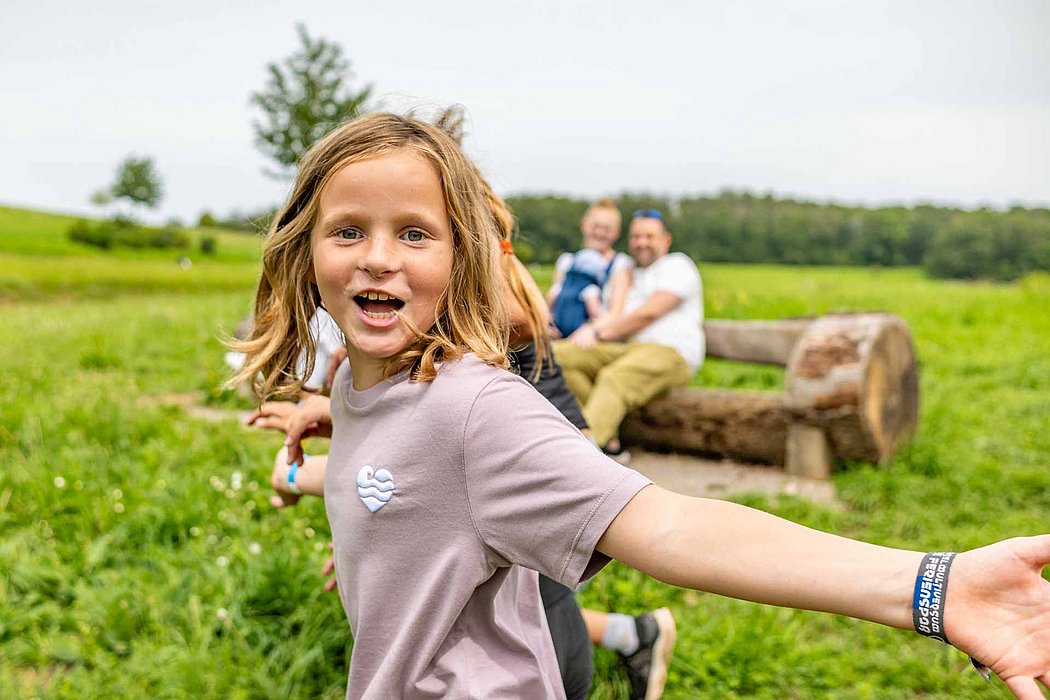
(311, 91)
(743, 227)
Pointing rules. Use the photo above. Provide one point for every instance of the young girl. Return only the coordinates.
(450, 482)
(592, 282)
(644, 642)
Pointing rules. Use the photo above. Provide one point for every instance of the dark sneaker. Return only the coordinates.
(647, 667)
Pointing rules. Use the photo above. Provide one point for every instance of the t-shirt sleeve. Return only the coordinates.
(679, 277)
(622, 261)
(540, 494)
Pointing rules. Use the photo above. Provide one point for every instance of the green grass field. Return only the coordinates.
(140, 558)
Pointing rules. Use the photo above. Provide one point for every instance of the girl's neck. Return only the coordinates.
(366, 371)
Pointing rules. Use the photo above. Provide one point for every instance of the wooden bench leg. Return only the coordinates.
(808, 452)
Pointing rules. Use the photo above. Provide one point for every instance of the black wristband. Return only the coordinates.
(931, 589)
(927, 605)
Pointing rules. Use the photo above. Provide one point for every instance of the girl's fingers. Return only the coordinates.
(331, 584)
(1025, 688)
(328, 566)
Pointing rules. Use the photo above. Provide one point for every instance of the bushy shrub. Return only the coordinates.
(83, 232)
(208, 244)
(121, 232)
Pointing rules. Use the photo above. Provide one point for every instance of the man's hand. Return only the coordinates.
(584, 337)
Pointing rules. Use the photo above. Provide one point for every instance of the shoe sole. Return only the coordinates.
(662, 651)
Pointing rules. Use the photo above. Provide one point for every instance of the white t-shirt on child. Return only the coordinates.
(444, 499)
(621, 261)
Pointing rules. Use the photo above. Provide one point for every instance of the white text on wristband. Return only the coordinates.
(931, 587)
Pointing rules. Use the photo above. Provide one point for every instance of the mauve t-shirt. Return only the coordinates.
(445, 498)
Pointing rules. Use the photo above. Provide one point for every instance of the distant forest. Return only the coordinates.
(745, 228)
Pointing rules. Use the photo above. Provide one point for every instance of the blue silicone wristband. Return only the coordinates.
(293, 469)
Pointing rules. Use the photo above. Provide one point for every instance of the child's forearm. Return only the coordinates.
(309, 477)
(744, 553)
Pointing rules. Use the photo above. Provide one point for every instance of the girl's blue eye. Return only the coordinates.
(348, 234)
(415, 236)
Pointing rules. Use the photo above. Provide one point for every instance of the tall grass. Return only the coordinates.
(140, 558)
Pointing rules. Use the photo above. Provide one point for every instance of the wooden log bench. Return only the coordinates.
(850, 393)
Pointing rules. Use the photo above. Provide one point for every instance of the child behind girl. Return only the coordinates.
(593, 281)
(451, 482)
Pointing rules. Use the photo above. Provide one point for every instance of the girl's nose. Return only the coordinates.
(380, 258)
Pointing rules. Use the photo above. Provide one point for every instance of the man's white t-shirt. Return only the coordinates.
(680, 328)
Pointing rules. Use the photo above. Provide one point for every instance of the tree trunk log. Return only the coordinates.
(765, 342)
(851, 377)
(747, 426)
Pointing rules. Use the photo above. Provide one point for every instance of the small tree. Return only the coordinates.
(306, 95)
(137, 182)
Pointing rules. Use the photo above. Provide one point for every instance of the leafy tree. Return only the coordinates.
(306, 95)
(137, 181)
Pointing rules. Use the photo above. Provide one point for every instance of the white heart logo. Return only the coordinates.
(374, 487)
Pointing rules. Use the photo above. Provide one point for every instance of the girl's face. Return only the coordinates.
(382, 243)
(600, 228)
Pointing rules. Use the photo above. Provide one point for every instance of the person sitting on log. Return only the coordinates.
(619, 363)
(593, 281)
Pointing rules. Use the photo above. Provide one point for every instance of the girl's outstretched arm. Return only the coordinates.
(997, 605)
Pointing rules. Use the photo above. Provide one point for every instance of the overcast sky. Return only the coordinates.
(867, 102)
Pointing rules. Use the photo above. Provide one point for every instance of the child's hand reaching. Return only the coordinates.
(312, 418)
(273, 415)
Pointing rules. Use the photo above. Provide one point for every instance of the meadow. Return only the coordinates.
(139, 556)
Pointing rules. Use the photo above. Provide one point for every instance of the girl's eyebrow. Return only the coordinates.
(406, 218)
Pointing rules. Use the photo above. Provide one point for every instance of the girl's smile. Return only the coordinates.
(382, 255)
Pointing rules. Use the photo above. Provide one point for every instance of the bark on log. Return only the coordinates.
(766, 342)
(851, 376)
(749, 426)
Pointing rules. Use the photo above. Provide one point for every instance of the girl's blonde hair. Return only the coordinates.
(471, 314)
(451, 120)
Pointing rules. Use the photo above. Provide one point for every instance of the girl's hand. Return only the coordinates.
(279, 481)
(273, 415)
(329, 566)
(334, 360)
(997, 610)
(309, 478)
(313, 418)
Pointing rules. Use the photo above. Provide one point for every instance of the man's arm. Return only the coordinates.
(610, 329)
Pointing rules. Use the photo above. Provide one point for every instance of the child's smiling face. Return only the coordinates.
(600, 228)
(382, 243)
